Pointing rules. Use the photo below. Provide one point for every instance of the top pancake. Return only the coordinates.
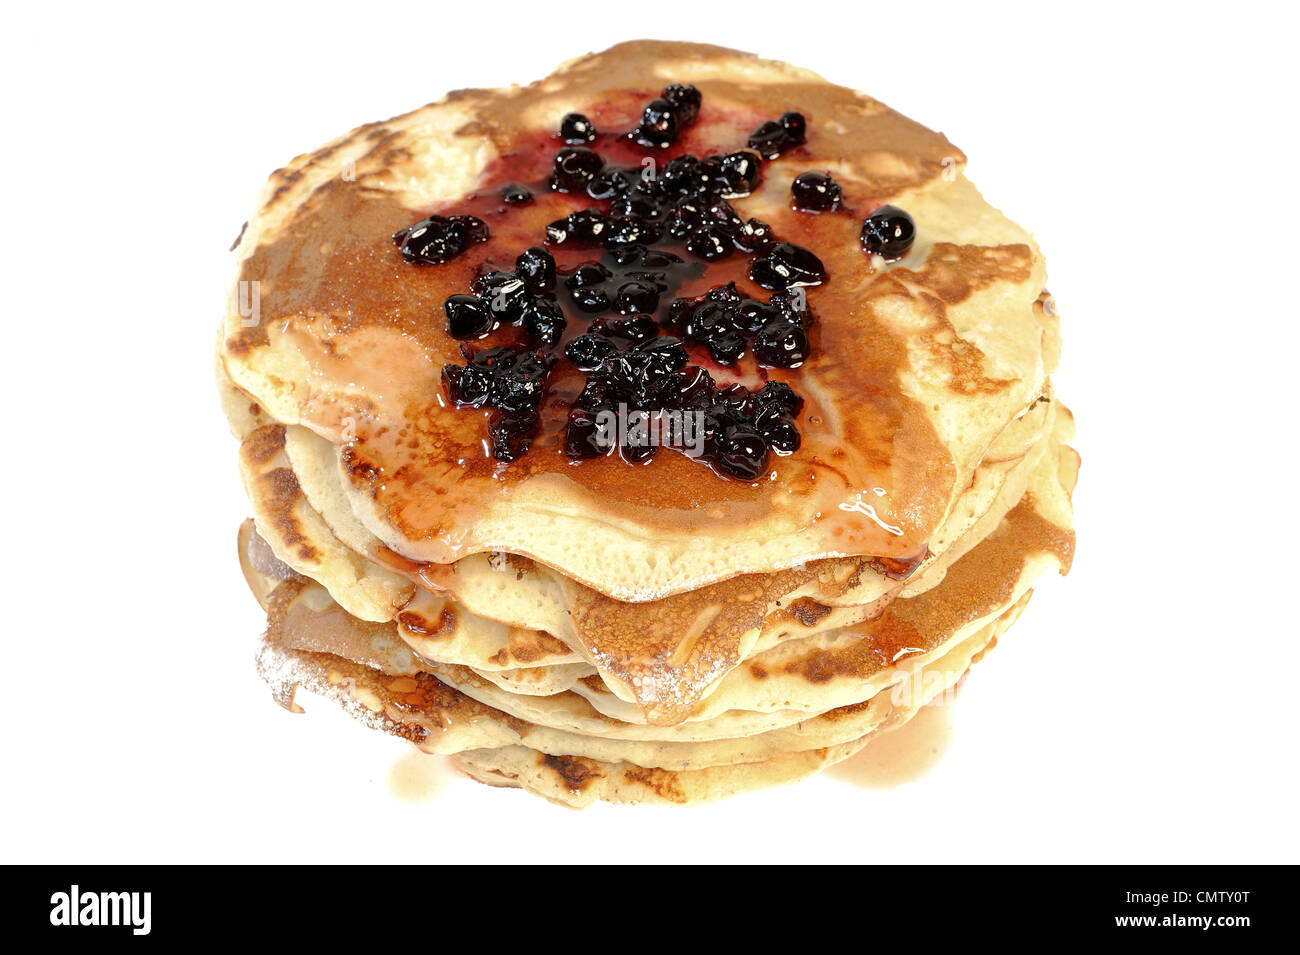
(916, 367)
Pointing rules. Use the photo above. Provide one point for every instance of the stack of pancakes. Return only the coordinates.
(656, 632)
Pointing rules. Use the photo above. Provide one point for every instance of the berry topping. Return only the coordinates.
(507, 379)
(436, 239)
(504, 293)
(738, 173)
(609, 183)
(574, 167)
(514, 194)
(754, 236)
(635, 298)
(888, 232)
(665, 117)
(584, 227)
(784, 265)
(576, 128)
(815, 192)
(636, 375)
(544, 320)
(722, 317)
(537, 268)
(511, 432)
(776, 136)
(685, 100)
(710, 242)
(467, 317)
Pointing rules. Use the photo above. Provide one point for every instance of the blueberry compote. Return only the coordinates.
(602, 294)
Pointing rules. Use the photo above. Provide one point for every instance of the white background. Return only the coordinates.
(1142, 710)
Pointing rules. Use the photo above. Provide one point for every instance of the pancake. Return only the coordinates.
(345, 345)
(678, 629)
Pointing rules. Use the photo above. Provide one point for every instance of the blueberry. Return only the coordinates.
(576, 128)
(741, 451)
(768, 139)
(779, 396)
(685, 100)
(781, 345)
(545, 321)
(720, 212)
(583, 437)
(636, 297)
(889, 232)
(780, 433)
(681, 176)
(687, 215)
(515, 194)
(584, 227)
(608, 183)
(504, 293)
(637, 453)
(590, 351)
(536, 267)
(659, 125)
(683, 387)
(467, 317)
(796, 128)
(518, 385)
(633, 329)
(710, 242)
(436, 239)
(467, 385)
(636, 204)
(510, 432)
(785, 265)
(708, 319)
(588, 274)
(754, 236)
(574, 167)
(631, 231)
(751, 316)
(815, 192)
(738, 174)
(591, 299)
(773, 137)
(726, 348)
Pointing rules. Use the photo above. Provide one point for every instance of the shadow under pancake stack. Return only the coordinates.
(659, 431)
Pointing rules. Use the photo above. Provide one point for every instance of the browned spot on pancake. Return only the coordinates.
(758, 670)
(808, 611)
(358, 467)
(594, 683)
(418, 624)
(898, 568)
(844, 712)
(521, 565)
(282, 495)
(577, 772)
(662, 782)
(528, 646)
(263, 444)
